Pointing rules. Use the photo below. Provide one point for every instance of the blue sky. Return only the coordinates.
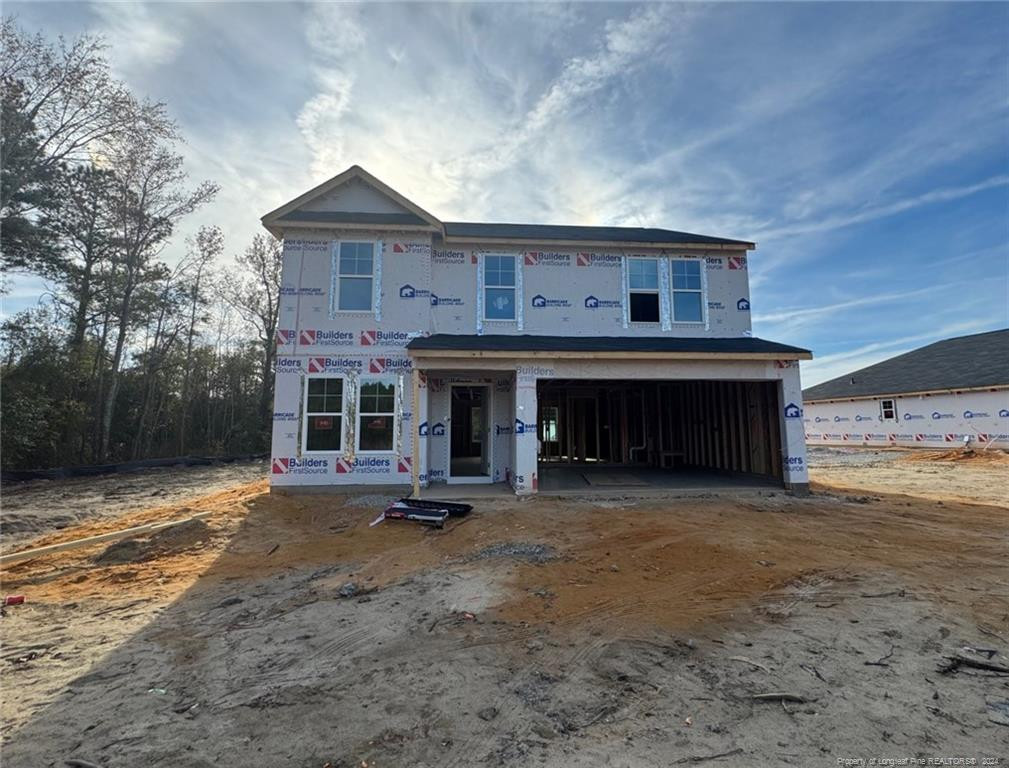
(865, 147)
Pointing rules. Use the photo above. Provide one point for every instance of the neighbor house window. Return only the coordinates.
(688, 291)
(376, 416)
(355, 273)
(324, 414)
(499, 287)
(643, 290)
(888, 410)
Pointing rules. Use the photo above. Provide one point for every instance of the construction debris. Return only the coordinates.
(125, 533)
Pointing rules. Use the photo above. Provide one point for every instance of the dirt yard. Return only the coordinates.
(285, 631)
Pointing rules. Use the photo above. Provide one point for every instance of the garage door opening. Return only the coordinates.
(668, 434)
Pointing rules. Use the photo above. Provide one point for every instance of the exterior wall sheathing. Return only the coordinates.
(923, 421)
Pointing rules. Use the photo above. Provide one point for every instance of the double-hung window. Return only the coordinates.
(643, 290)
(323, 415)
(354, 275)
(887, 410)
(688, 291)
(499, 287)
(376, 419)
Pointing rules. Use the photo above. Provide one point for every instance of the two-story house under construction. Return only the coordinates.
(417, 351)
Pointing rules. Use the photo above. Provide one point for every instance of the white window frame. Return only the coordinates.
(337, 276)
(893, 407)
(657, 290)
(703, 290)
(514, 287)
(342, 413)
(361, 382)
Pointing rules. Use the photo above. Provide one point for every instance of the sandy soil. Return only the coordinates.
(957, 475)
(287, 632)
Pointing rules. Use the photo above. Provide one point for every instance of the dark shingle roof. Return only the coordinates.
(549, 232)
(980, 360)
(588, 344)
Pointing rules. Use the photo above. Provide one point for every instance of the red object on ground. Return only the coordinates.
(14, 600)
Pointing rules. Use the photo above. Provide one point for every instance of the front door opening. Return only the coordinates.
(470, 432)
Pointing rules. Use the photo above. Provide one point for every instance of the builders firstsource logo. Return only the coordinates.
(296, 466)
(333, 364)
(288, 365)
(547, 259)
(389, 364)
(284, 337)
(371, 465)
(597, 260)
(385, 338)
(448, 257)
(737, 262)
(419, 248)
(315, 338)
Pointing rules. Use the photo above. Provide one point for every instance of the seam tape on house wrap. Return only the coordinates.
(350, 397)
(704, 291)
(625, 300)
(334, 277)
(665, 291)
(519, 293)
(479, 291)
(379, 246)
(302, 386)
(398, 426)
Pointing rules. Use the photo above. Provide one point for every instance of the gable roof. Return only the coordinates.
(966, 362)
(288, 212)
(292, 214)
(466, 230)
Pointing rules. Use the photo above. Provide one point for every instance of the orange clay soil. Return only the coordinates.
(993, 457)
(670, 563)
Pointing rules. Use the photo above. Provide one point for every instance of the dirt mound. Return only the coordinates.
(993, 456)
(168, 541)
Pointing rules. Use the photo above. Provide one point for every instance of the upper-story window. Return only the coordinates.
(355, 276)
(688, 291)
(643, 290)
(499, 287)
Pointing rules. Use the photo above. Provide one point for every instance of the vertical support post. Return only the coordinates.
(792, 430)
(415, 430)
(525, 435)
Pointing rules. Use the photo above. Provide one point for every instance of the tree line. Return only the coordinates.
(127, 356)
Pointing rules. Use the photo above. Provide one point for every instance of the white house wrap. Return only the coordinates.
(562, 372)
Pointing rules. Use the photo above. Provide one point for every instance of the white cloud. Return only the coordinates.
(825, 223)
(137, 39)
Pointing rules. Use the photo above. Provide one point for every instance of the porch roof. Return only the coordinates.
(502, 345)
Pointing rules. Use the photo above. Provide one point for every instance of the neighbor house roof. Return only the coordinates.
(501, 345)
(415, 218)
(966, 362)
